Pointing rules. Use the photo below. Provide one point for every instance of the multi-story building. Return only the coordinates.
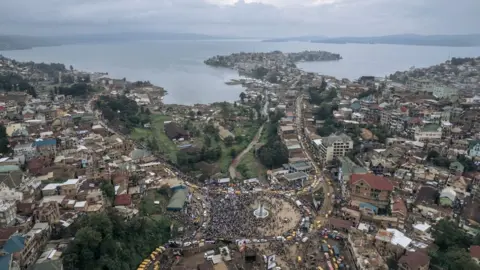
(10, 194)
(444, 92)
(45, 146)
(428, 132)
(371, 189)
(48, 212)
(333, 146)
(8, 213)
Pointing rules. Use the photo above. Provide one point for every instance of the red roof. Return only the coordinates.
(399, 206)
(374, 181)
(403, 109)
(475, 252)
(123, 199)
(415, 259)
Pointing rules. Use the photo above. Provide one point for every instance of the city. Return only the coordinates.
(303, 171)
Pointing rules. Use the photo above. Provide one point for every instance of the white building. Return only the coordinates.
(428, 132)
(333, 146)
(26, 149)
(8, 213)
(444, 92)
(10, 194)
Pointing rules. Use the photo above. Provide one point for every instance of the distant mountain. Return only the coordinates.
(301, 38)
(17, 42)
(470, 40)
(13, 42)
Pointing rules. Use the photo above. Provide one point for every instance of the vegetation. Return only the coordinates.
(76, 90)
(15, 82)
(122, 111)
(453, 244)
(274, 153)
(442, 161)
(4, 144)
(107, 241)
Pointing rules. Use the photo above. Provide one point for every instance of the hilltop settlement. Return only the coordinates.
(303, 171)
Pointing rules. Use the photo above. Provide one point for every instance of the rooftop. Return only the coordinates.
(374, 181)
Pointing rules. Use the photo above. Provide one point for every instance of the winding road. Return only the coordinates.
(232, 169)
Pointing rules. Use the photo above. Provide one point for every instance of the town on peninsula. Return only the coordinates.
(302, 171)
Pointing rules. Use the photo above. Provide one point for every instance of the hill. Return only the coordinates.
(470, 40)
(17, 42)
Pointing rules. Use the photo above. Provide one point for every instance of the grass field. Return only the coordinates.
(249, 167)
(164, 143)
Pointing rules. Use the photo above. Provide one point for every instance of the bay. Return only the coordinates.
(178, 65)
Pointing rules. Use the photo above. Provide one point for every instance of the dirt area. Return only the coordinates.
(285, 217)
(286, 254)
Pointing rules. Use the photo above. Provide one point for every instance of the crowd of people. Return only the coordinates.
(231, 216)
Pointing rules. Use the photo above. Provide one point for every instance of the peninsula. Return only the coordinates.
(269, 66)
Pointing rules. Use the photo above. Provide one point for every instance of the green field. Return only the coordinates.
(156, 131)
(249, 167)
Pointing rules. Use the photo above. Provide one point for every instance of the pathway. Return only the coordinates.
(232, 169)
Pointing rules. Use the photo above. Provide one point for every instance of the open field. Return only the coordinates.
(157, 132)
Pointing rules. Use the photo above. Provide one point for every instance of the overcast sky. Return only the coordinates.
(247, 18)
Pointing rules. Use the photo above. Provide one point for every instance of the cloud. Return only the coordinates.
(261, 18)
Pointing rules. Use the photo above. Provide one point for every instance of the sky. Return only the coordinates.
(241, 18)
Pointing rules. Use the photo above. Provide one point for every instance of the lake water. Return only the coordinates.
(178, 65)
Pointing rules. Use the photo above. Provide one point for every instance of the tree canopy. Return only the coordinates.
(123, 110)
(107, 241)
(453, 244)
(15, 82)
(78, 89)
(4, 144)
(274, 153)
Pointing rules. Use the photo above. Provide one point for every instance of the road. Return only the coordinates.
(232, 169)
(320, 179)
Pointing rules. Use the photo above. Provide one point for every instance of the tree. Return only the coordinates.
(229, 141)
(4, 143)
(108, 190)
(109, 241)
(452, 244)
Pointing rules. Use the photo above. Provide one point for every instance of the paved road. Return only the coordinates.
(233, 167)
(327, 203)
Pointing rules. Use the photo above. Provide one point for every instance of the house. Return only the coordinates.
(347, 168)
(45, 146)
(475, 253)
(371, 189)
(11, 252)
(474, 148)
(123, 200)
(174, 132)
(414, 260)
(178, 200)
(26, 149)
(49, 260)
(447, 196)
(8, 213)
(456, 168)
(428, 132)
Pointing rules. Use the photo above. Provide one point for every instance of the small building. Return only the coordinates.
(447, 196)
(178, 200)
(123, 200)
(8, 213)
(175, 132)
(296, 177)
(414, 260)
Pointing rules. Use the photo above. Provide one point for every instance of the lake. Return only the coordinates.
(178, 65)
